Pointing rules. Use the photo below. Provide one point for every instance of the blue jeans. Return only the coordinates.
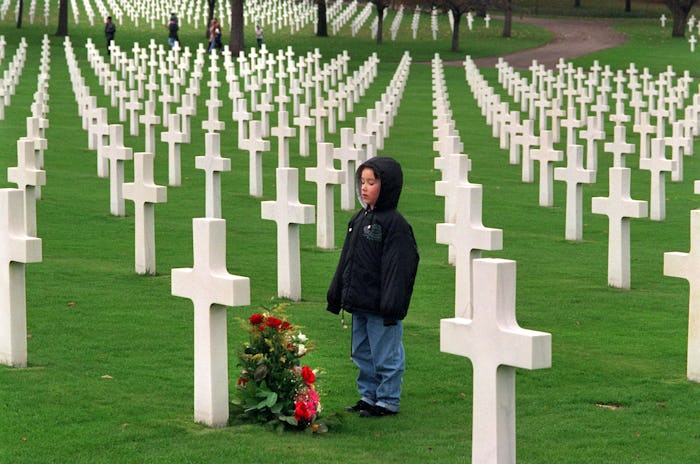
(378, 353)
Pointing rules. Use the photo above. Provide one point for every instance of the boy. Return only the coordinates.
(374, 281)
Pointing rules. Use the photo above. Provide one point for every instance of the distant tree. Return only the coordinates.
(458, 8)
(577, 3)
(62, 30)
(20, 7)
(507, 6)
(236, 43)
(680, 9)
(322, 19)
(210, 15)
(381, 6)
(628, 6)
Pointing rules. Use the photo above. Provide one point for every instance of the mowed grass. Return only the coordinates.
(616, 391)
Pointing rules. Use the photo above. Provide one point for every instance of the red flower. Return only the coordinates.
(256, 319)
(303, 411)
(285, 325)
(308, 375)
(273, 322)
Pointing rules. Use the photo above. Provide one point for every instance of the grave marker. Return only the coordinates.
(619, 208)
(17, 250)
(116, 153)
(211, 288)
(574, 175)
(288, 213)
(467, 236)
(325, 176)
(496, 345)
(212, 163)
(545, 154)
(144, 193)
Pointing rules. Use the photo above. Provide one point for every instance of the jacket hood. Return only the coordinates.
(391, 177)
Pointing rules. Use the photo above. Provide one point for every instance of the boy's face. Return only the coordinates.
(371, 186)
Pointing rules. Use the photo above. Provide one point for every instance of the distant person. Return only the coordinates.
(259, 35)
(110, 30)
(173, 28)
(214, 35)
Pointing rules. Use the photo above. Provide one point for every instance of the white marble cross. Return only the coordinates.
(657, 165)
(496, 345)
(255, 146)
(350, 158)
(687, 266)
(213, 124)
(150, 119)
(644, 128)
(545, 154)
(677, 142)
(212, 163)
(288, 213)
(133, 106)
(211, 288)
(28, 177)
(619, 208)
(242, 116)
(99, 134)
(619, 146)
(325, 176)
(17, 249)
(174, 137)
(116, 153)
(467, 236)
(319, 113)
(283, 133)
(591, 134)
(303, 122)
(571, 123)
(144, 193)
(574, 175)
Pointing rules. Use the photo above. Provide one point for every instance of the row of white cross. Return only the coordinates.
(484, 328)
(19, 232)
(209, 232)
(11, 76)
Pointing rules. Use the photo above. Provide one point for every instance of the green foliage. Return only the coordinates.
(273, 385)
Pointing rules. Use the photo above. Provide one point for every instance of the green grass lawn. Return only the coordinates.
(90, 315)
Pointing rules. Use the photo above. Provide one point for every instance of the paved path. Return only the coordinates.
(572, 38)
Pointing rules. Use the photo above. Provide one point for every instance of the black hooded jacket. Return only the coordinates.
(379, 260)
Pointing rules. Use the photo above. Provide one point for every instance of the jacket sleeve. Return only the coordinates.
(399, 267)
(335, 289)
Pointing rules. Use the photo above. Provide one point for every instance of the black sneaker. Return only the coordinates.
(359, 407)
(377, 411)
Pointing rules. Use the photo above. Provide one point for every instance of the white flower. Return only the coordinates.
(301, 337)
(301, 350)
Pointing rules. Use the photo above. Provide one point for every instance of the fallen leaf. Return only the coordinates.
(29, 335)
(661, 405)
(107, 377)
(377, 435)
(71, 303)
(23, 439)
(125, 425)
(612, 406)
(462, 394)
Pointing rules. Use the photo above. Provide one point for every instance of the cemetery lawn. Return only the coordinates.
(110, 373)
